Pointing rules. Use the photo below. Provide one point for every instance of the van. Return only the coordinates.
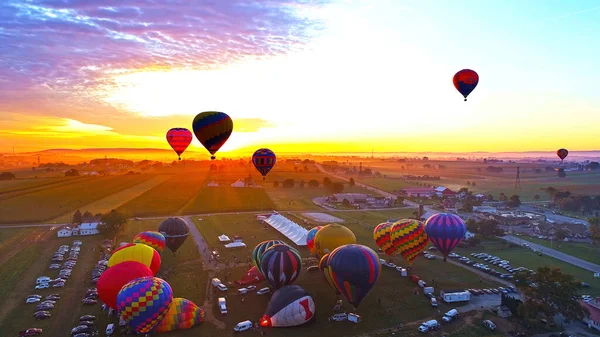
(429, 325)
(450, 316)
(428, 290)
(242, 291)
(242, 326)
(42, 279)
(433, 302)
(354, 317)
(222, 305)
(215, 282)
(339, 317)
(110, 329)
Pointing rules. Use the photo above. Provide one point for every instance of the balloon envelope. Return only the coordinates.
(409, 238)
(465, 81)
(289, 306)
(280, 265)
(153, 239)
(212, 128)
(136, 252)
(114, 278)
(332, 236)
(183, 314)
(144, 302)
(310, 239)
(179, 139)
(445, 231)
(381, 235)
(324, 268)
(175, 230)
(354, 270)
(260, 249)
(562, 153)
(264, 160)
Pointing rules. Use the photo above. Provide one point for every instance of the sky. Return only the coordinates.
(301, 76)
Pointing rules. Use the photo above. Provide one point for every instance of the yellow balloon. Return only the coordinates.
(137, 252)
(332, 236)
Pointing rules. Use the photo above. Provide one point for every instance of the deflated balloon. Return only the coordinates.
(144, 302)
(280, 265)
(179, 139)
(153, 239)
(183, 314)
(260, 249)
(212, 129)
(289, 306)
(136, 252)
(310, 239)
(114, 278)
(264, 160)
(465, 81)
(175, 230)
(445, 231)
(332, 236)
(409, 238)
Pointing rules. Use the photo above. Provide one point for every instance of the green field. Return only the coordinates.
(22, 186)
(584, 251)
(227, 198)
(167, 198)
(52, 202)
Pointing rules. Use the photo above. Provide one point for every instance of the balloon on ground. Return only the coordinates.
(183, 314)
(153, 239)
(179, 139)
(465, 81)
(260, 249)
(212, 129)
(280, 265)
(310, 239)
(445, 231)
(332, 236)
(144, 302)
(289, 306)
(409, 238)
(136, 252)
(175, 230)
(114, 278)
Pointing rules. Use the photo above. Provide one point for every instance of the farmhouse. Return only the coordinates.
(86, 228)
(425, 192)
(65, 232)
(442, 191)
(593, 320)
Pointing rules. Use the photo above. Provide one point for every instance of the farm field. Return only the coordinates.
(227, 198)
(50, 203)
(584, 251)
(168, 198)
(22, 186)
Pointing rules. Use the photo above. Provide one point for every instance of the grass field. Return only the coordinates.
(50, 203)
(167, 198)
(227, 198)
(584, 251)
(11, 187)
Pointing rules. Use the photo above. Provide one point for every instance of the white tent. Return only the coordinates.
(224, 238)
(287, 227)
(235, 245)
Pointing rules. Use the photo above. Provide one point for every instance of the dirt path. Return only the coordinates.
(208, 305)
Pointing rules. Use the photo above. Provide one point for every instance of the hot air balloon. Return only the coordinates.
(175, 230)
(212, 128)
(310, 239)
(354, 270)
(261, 248)
(381, 235)
(144, 302)
(136, 252)
(153, 239)
(445, 231)
(289, 306)
(562, 154)
(324, 268)
(179, 139)
(409, 238)
(332, 236)
(280, 265)
(114, 278)
(465, 81)
(183, 314)
(264, 160)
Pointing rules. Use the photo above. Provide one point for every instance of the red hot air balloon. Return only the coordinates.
(465, 81)
(562, 154)
(114, 278)
(179, 139)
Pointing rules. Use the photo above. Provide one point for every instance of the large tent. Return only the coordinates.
(293, 231)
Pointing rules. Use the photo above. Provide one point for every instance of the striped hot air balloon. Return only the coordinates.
(179, 139)
(310, 239)
(324, 268)
(280, 265)
(408, 238)
(445, 231)
(264, 160)
(183, 314)
(381, 235)
(212, 128)
(260, 249)
(153, 239)
(144, 302)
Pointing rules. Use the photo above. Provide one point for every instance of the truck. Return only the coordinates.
(450, 316)
(456, 296)
(222, 306)
(429, 326)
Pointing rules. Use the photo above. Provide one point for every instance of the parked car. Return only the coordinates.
(44, 307)
(489, 324)
(87, 318)
(58, 285)
(251, 288)
(221, 287)
(30, 332)
(86, 323)
(42, 315)
(42, 286)
(53, 297)
(263, 291)
(32, 300)
(88, 301)
(81, 329)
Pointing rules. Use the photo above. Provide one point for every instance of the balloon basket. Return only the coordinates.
(213, 157)
(465, 99)
(263, 178)
(179, 158)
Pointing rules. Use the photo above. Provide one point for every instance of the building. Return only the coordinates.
(442, 191)
(65, 232)
(424, 192)
(88, 228)
(238, 183)
(593, 320)
(485, 209)
(469, 235)
(213, 184)
(353, 198)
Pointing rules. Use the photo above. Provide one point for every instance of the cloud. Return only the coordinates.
(250, 124)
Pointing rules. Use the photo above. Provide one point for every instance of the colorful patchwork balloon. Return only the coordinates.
(264, 160)
(212, 128)
(153, 239)
(408, 238)
(114, 278)
(445, 231)
(144, 302)
(381, 235)
(280, 265)
(183, 314)
(260, 249)
(310, 239)
(354, 270)
(137, 252)
(324, 268)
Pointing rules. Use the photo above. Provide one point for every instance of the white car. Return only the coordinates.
(222, 287)
(42, 286)
(263, 291)
(32, 300)
(251, 288)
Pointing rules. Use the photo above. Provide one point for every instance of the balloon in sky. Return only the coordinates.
(562, 154)
(281, 265)
(381, 235)
(114, 278)
(445, 231)
(354, 270)
(310, 239)
(465, 81)
(183, 314)
(409, 238)
(212, 128)
(324, 268)
(136, 252)
(264, 160)
(332, 236)
(144, 302)
(175, 230)
(153, 239)
(260, 249)
(179, 139)
(289, 306)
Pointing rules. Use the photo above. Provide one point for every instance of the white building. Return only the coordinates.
(88, 228)
(468, 235)
(213, 184)
(65, 232)
(238, 183)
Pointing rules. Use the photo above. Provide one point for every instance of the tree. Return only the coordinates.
(468, 183)
(88, 215)
(71, 173)
(550, 291)
(77, 217)
(352, 182)
(326, 182)
(301, 184)
(474, 241)
(114, 222)
(536, 197)
(503, 197)
(473, 184)
(336, 187)
(313, 183)
(561, 234)
(551, 191)
(514, 201)
(275, 183)
(490, 197)
(7, 176)
(346, 202)
(594, 165)
(288, 183)
(595, 229)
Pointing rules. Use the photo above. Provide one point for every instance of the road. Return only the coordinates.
(554, 217)
(555, 254)
(203, 248)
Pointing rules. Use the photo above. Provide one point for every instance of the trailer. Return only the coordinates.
(451, 297)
